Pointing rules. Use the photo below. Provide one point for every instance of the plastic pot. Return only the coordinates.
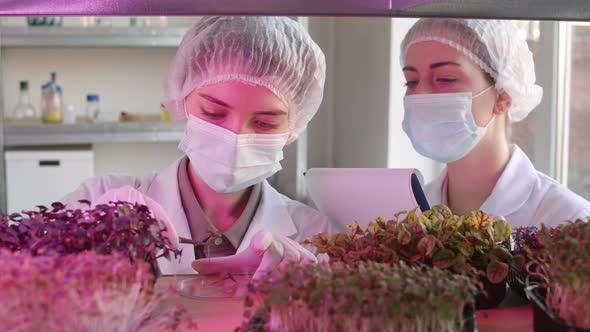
(495, 295)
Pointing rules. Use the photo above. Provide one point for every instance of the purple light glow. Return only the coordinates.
(204, 7)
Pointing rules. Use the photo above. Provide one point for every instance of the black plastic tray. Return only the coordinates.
(543, 320)
(516, 280)
(258, 320)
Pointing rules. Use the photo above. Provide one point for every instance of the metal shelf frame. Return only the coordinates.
(90, 37)
(561, 10)
(99, 133)
(508, 9)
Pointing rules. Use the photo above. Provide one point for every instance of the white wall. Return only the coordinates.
(136, 159)
(361, 81)
(320, 132)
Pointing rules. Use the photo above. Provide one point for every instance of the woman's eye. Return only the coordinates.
(212, 115)
(266, 126)
(446, 80)
(410, 84)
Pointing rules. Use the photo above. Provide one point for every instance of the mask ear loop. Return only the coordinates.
(481, 93)
(187, 118)
(184, 108)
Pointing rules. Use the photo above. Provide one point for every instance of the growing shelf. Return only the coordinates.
(90, 37)
(502, 9)
(19, 135)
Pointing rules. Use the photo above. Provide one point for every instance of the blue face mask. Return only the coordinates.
(441, 126)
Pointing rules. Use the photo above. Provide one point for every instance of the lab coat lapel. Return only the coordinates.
(514, 187)
(165, 190)
(434, 190)
(272, 216)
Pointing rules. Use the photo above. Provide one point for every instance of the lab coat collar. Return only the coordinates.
(435, 190)
(515, 186)
(272, 216)
(513, 189)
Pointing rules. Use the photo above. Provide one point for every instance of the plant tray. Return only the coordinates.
(257, 322)
(543, 320)
(495, 295)
(516, 280)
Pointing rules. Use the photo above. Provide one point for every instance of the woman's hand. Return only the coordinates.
(265, 253)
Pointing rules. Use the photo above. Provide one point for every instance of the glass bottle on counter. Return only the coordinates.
(92, 107)
(51, 101)
(24, 109)
(70, 115)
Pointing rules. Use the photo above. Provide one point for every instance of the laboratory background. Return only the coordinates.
(82, 98)
(105, 115)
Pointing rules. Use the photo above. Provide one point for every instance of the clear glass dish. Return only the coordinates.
(211, 287)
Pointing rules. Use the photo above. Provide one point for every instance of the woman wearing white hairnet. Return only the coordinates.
(467, 81)
(246, 87)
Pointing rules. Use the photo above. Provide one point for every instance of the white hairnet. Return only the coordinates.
(274, 52)
(498, 47)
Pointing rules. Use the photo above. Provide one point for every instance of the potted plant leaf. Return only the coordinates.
(368, 296)
(128, 229)
(524, 240)
(435, 237)
(562, 297)
(81, 269)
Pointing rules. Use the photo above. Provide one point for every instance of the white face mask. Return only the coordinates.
(230, 162)
(441, 125)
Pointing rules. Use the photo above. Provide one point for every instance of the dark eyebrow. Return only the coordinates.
(214, 100)
(273, 112)
(433, 66)
(442, 64)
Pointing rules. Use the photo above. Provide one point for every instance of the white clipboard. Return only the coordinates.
(345, 195)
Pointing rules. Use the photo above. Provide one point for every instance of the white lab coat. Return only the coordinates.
(276, 213)
(523, 195)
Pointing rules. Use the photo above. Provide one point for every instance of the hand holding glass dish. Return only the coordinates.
(229, 276)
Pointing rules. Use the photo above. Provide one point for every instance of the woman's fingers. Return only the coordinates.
(244, 262)
(306, 254)
(265, 253)
(271, 259)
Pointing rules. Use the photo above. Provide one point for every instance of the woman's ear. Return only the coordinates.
(503, 103)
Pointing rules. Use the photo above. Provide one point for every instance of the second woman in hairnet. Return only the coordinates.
(467, 81)
(246, 87)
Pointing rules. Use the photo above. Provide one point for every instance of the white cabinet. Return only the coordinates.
(43, 177)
